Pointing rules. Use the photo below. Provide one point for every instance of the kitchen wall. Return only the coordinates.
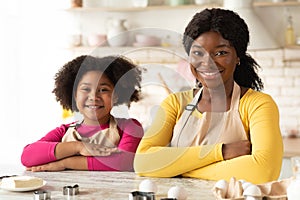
(282, 80)
(33, 49)
(279, 74)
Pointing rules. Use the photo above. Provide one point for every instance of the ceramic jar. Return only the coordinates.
(115, 33)
(176, 2)
(201, 2)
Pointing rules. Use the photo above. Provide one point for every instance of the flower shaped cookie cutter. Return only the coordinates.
(71, 190)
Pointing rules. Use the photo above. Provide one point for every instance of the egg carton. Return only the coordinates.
(234, 190)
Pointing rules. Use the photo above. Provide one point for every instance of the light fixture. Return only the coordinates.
(260, 38)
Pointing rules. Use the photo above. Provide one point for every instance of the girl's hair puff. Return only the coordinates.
(123, 73)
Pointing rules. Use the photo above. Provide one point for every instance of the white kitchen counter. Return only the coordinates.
(109, 185)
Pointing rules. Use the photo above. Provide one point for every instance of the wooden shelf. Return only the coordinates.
(170, 55)
(289, 58)
(292, 47)
(273, 4)
(138, 9)
(123, 48)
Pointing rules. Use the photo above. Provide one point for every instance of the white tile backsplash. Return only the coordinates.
(282, 81)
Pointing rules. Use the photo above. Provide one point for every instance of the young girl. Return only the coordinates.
(99, 141)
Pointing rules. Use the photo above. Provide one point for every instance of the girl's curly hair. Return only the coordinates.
(123, 73)
(232, 28)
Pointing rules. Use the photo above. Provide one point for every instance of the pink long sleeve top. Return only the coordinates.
(130, 130)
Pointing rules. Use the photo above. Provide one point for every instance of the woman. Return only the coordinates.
(224, 128)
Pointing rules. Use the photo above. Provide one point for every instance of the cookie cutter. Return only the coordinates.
(41, 195)
(71, 190)
(138, 195)
(7, 176)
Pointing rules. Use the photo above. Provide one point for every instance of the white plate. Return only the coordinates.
(23, 189)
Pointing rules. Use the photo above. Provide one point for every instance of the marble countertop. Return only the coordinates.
(108, 185)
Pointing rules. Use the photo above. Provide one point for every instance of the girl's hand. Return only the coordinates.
(73, 162)
(236, 149)
(89, 149)
(53, 166)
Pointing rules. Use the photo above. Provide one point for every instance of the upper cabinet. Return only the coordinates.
(281, 19)
(275, 4)
(91, 24)
(142, 9)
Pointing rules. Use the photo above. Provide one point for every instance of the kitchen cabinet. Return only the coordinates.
(141, 9)
(280, 12)
(276, 4)
(139, 13)
(133, 14)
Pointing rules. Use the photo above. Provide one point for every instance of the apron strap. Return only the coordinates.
(192, 106)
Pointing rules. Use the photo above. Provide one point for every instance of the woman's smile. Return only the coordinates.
(210, 74)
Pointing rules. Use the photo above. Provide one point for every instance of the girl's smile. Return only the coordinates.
(94, 97)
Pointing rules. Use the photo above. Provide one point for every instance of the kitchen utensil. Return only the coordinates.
(115, 30)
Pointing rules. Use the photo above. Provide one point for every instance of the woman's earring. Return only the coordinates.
(197, 85)
(239, 63)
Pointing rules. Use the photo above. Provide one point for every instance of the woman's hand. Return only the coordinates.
(236, 149)
(89, 149)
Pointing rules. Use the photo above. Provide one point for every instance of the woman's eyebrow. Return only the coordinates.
(218, 46)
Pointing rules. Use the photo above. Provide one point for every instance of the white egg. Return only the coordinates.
(253, 198)
(253, 191)
(147, 186)
(223, 186)
(177, 192)
(246, 184)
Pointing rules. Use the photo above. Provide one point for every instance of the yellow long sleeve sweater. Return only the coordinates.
(260, 116)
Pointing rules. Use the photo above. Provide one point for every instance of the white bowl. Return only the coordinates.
(96, 39)
(200, 2)
(139, 3)
(147, 40)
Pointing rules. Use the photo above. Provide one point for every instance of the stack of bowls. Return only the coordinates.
(143, 40)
